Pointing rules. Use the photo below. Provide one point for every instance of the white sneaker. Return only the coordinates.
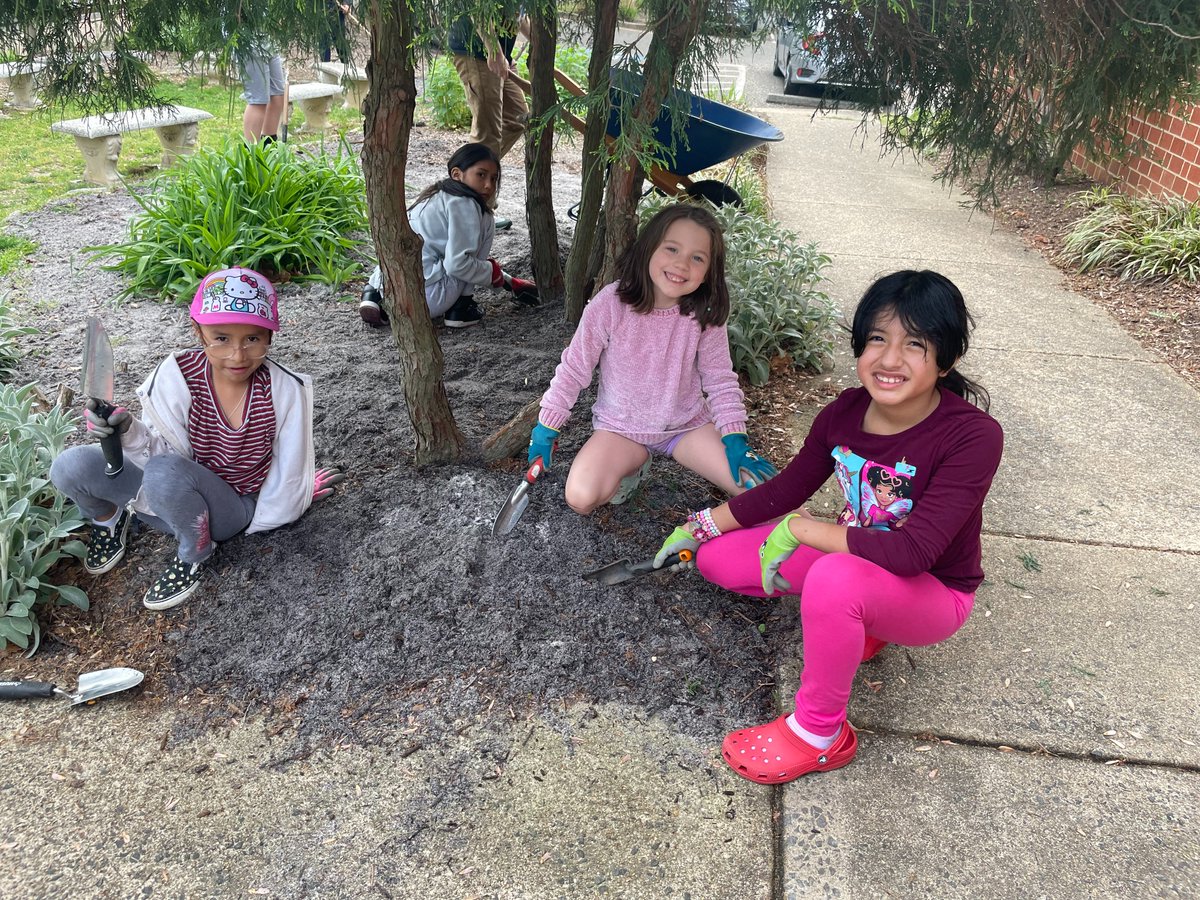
(629, 484)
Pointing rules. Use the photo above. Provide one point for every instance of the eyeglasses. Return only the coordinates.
(228, 350)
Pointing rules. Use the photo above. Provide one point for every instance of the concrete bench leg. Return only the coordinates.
(100, 157)
(23, 96)
(356, 94)
(316, 113)
(177, 141)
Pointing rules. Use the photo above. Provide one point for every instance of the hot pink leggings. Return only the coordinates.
(843, 599)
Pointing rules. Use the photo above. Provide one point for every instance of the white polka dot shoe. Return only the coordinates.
(773, 753)
(174, 585)
(106, 547)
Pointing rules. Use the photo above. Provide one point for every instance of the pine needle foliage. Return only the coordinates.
(288, 216)
(1137, 237)
(1011, 86)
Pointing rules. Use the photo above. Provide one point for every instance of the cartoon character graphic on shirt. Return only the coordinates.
(241, 294)
(877, 496)
(885, 495)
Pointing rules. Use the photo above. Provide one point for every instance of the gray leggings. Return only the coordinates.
(190, 502)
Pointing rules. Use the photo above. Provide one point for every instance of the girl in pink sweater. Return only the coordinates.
(666, 378)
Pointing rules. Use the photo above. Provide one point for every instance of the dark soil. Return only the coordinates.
(390, 603)
(1163, 316)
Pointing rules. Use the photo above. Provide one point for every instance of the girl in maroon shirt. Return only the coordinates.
(914, 458)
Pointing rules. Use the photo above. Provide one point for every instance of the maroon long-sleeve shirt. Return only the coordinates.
(914, 500)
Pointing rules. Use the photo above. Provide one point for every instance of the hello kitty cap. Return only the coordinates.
(236, 297)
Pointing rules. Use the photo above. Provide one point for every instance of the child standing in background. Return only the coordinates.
(667, 383)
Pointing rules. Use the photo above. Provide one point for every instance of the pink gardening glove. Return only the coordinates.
(324, 481)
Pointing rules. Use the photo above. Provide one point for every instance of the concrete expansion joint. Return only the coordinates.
(1085, 542)
(1032, 749)
(1066, 354)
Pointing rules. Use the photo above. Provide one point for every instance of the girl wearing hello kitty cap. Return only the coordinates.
(224, 443)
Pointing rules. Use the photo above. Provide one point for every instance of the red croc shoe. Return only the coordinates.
(773, 753)
(871, 647)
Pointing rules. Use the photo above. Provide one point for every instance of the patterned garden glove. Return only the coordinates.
(100, 427)
(774, 552)
(746, 466)
(679, 539)
(324, 481)
(541, 443)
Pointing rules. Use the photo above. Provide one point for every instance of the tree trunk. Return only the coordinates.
(674, 32)
(388, 122)
(539, 150)
(581, 271)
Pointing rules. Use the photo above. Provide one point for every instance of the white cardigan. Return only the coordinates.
(288, 489)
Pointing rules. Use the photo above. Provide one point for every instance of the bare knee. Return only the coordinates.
(582, 498)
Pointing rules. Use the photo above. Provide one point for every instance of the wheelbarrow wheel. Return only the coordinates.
(718, 193)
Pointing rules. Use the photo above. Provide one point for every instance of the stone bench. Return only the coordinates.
(19, 76)
(99, 137)
(316, 100)
(352, 77)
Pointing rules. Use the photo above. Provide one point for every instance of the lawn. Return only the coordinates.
(43, 166)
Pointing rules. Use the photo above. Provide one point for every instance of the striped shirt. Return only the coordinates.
(240, 456)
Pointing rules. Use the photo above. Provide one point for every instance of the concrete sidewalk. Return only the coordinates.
(1052, 747)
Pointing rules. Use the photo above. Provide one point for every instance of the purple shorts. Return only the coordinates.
(667, 447)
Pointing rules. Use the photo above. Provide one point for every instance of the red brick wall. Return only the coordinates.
(1171, 164)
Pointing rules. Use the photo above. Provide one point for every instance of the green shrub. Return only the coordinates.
(36, 521)
(776, 306)
(1139, 237)
(264, 207)
(10, 352)
(444, 93)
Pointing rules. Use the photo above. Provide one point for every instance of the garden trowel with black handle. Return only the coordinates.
(92, 686)
(98, 384)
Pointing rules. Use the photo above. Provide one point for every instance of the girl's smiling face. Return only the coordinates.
(899, 370)
(481, 177)
(235, 352)
(680, 264)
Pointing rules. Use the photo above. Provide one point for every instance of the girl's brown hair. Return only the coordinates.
(709, 303)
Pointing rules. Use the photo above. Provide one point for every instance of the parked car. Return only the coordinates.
(800, 55)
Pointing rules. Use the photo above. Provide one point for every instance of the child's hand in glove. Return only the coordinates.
(541, 443)
(523, 290)
(742, 459)
(118, 421)
(324, 481)
(774, 552)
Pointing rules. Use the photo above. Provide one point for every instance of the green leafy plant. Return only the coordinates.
(10, 352)
(265, 207)
(12, 250)
(777, 309)
(36, 522)
(444, 94)
(1138, 237)
(572, 60)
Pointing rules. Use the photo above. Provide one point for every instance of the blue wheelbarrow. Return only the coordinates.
(714, 133)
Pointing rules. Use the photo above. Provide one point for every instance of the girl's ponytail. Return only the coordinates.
(957, 383)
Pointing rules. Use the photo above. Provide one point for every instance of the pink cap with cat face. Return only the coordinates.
(236, 297)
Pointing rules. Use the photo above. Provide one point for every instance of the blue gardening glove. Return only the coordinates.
(100, 427)
(744, 460)
(774, 552)
(541, 443)
(679, 539)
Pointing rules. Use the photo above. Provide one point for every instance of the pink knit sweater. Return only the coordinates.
(655, 372)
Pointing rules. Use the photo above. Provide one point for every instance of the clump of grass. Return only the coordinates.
(264, 207)
(1137, 237)
(12, 250)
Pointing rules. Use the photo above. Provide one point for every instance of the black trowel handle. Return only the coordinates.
(25, 690)
(114, 456)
